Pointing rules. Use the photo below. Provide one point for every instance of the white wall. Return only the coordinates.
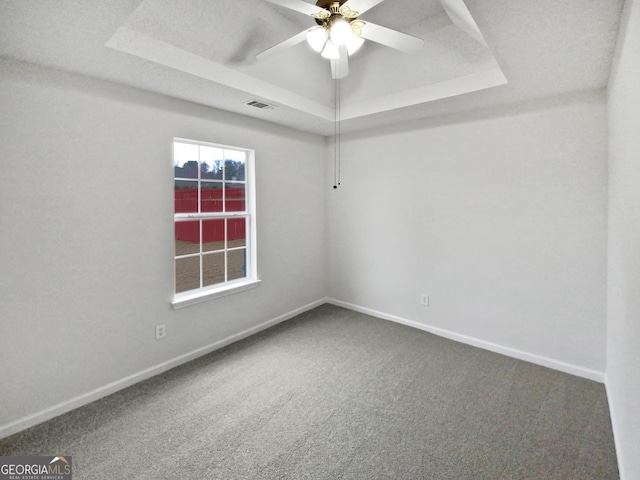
(86, 241)
(500, 216)
(623, 348)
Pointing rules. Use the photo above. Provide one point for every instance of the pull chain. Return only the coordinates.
(336, 137)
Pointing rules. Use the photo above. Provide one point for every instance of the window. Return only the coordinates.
(214, 220)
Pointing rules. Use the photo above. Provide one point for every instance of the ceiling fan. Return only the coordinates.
(340, 32)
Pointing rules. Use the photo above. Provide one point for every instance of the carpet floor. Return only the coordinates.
(335, 394)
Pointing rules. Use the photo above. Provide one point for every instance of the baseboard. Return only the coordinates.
(86, 398)
(508, 351)
(614, 428)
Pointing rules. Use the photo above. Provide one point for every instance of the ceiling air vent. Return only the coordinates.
(261, 105)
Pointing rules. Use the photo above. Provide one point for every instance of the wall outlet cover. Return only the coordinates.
(161, 332)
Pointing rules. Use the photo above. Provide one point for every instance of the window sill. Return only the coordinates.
(181, 300)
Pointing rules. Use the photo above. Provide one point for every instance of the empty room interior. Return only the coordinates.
(334, 239)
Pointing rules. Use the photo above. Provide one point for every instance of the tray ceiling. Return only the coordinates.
(476, 54)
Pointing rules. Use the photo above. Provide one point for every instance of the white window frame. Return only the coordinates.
(251, 280)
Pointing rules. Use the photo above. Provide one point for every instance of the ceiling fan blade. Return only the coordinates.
(289, 42)
(391, 38)
(362, 6)
(461, 18)
(340, 66)
(298, 6)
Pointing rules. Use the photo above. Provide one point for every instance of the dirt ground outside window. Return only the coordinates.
(188, 269)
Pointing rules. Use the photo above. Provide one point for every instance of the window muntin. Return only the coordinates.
(214, 218)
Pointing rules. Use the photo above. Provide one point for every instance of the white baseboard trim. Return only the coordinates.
(100, 392)
(508, 351)
(614, 428)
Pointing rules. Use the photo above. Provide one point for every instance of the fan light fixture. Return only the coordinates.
(337, 26)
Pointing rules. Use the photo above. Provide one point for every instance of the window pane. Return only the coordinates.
(234, 166)
(185, 158)
(211, 162)
(234, 197)
(187, 273)
(185, 195)
(236, 232)
(213, 268)
(187, 237)
(212, 235)
(211, 196)
(237, 264)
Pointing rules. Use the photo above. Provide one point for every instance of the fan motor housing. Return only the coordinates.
(326, 4)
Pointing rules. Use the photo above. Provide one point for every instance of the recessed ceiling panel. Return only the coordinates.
(219, 41)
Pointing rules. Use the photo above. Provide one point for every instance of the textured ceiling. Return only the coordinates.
(205, 51)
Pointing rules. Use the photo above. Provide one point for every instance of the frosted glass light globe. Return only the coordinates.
(331, 50)
(340, 31)
(353, 44)
(317, 37)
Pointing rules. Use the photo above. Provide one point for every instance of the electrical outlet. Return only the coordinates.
(424, 299)
(161, 332)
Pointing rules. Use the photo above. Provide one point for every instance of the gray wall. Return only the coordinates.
(499, 215)
(623, 352)
(86, 215)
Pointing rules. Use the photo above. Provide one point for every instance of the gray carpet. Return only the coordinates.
(334, 394)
